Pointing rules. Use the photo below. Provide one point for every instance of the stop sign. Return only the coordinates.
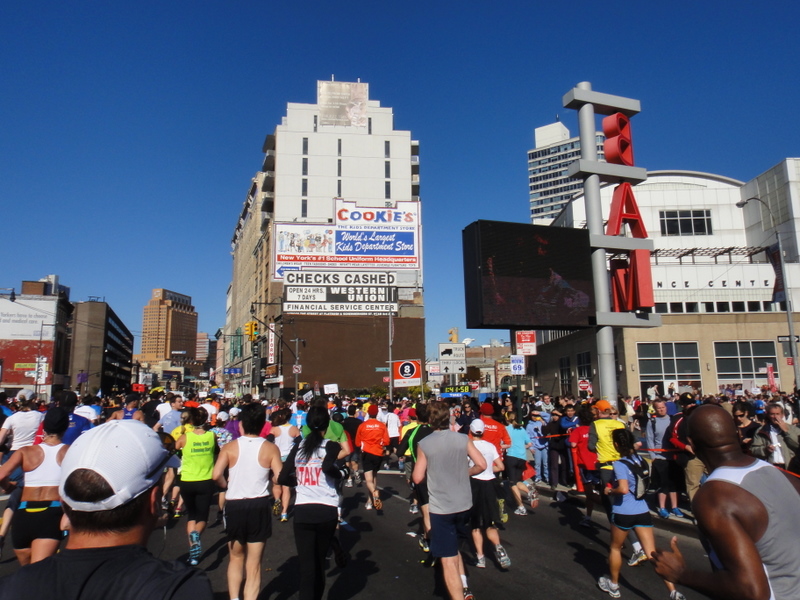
(474, 385)
(585, 385)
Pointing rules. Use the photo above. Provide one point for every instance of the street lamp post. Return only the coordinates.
(786, 292)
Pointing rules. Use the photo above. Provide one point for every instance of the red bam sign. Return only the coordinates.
(631, 278)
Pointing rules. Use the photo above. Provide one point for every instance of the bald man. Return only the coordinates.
(747, 510)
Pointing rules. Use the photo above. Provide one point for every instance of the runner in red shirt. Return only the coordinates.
(587, 461)
(372, 437)
(494, 432)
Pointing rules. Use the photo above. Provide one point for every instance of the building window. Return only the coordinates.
(676, 307)
(661, 307)
(305, 166)
(339, 167)
(685, 222)
(338, 188)
(387, 169)
(708, 307)
(745, 360)
(315, 123)
(369, 125)
(668, 360)
(304, 185)
(304, 208)
(754, 306)
(387, 149)
(305, 145)
(583, 362)
(564, 376)
(339, 147)
(388, 190)
(692, 307)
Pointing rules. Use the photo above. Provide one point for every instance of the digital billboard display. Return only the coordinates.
(527, 276)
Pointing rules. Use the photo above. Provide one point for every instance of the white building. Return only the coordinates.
(713, 286)
(549, 187)
(338, 193)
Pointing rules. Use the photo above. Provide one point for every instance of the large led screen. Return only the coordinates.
(527, 276)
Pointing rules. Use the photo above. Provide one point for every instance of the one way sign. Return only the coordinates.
(453, 359)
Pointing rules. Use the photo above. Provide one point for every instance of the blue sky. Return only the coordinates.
(130, 131)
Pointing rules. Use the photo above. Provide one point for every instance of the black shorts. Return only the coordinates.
(627, 522)
(515, 467)
(249, 520)
(485, 511)
(36, 520)
(371, 462)
(590, 476)
(197, 498)
(445, 532)
(421, 490)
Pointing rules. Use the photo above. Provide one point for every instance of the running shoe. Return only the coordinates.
(533, 496)
(676, 595)
(340, 556)
(348, 483)
(586, 522)
(276, 508)
(195, 548)
(678, 513)
(369, 505)
(663, 513)
(502, 556)
(284, 517)
(358, 478)
(560, 496)
(413, 509)
(376, 500)
(609, 587)
(481, 562)
(423, 544)
(468, 595)
(637, 558)
(521, 510)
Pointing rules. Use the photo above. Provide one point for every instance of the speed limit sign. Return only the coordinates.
(407, 372)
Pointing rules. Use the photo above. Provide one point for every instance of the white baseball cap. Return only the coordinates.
(126, 453)
(477, 426)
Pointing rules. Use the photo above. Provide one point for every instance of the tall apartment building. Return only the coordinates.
(169, 328)
(102, 349)
(336, 200)
(549, 187)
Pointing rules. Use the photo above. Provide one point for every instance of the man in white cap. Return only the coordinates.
(111, 493)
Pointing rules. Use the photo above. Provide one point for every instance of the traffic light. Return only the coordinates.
(254, 333)
(248, 329)
(453, 334)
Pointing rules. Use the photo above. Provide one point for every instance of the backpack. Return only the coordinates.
(641, 473)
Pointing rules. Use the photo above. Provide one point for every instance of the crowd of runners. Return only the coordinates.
(470, 467)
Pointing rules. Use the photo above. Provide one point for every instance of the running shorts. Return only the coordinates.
(197, 498)
(514, 469)
(445, 532)
(371, 462)
(591, 476)
(36, 520)
(627, 522)
(249, 520)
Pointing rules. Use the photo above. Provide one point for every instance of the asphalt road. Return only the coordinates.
(552, 557)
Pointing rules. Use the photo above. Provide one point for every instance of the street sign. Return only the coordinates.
(407, 373)
(297, 368)
(526, 342)
(453, 359)
(785, 338)
(381, 369)
(474, 385)
(517, 364)
(386, 379)
(585, 385)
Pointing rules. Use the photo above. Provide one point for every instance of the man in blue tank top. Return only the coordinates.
(747, 510)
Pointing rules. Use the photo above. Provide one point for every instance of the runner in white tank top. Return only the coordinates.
(250, 461)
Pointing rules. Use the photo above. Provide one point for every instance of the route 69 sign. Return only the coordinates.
(407, 372)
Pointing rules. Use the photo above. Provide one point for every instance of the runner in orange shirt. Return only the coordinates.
(372, 437)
